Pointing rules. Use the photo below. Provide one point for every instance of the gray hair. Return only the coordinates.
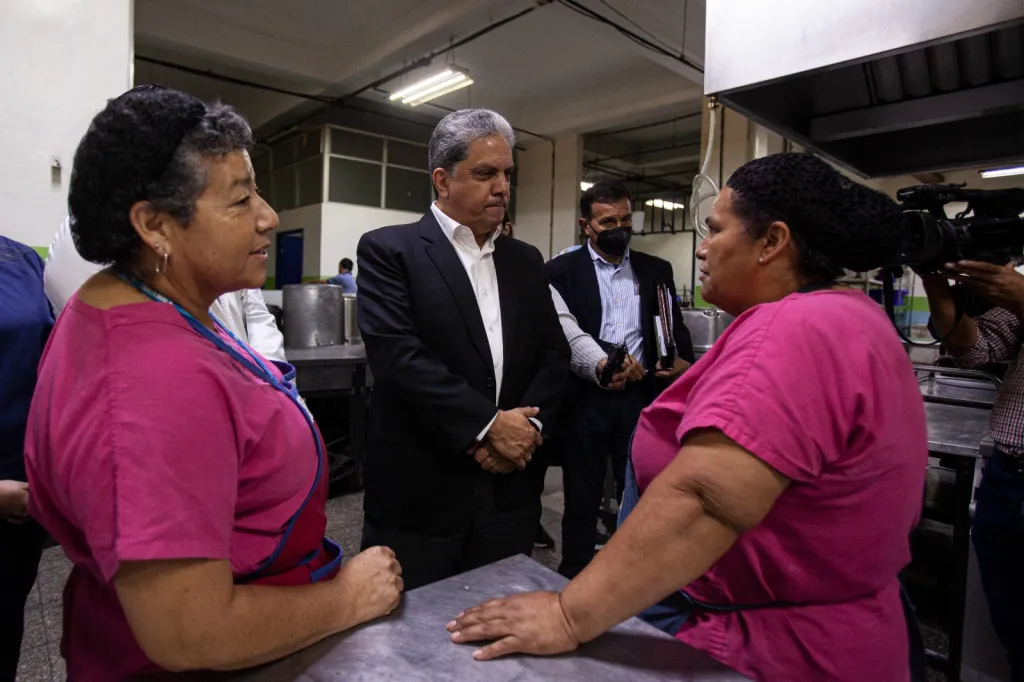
(450, 141)
(223, 130)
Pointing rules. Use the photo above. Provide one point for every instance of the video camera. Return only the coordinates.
(990, 228)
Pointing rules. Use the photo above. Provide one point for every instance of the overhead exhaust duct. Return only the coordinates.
(881, 87)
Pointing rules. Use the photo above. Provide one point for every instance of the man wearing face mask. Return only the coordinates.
(613, 293)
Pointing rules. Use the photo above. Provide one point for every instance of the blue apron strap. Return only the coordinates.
(255, 365)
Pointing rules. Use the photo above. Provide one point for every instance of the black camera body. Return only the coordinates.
(990, 228)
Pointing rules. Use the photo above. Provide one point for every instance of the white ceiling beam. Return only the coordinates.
(668, 160)
(205, 32)
(669, 10)
(429, 27)
(564, 113)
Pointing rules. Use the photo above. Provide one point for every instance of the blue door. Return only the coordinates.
(289, 258)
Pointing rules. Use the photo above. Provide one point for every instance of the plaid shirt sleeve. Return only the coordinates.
(999, 338)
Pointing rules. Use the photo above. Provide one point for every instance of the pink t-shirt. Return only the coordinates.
(817, 386)
(146, 442)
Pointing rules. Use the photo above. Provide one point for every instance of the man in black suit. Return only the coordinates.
(612, 291)
(469, 365)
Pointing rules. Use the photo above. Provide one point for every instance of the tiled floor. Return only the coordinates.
(40, 652)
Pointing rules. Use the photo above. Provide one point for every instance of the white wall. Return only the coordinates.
(675, 248)
(344, 224)
(62, 60)
(308, 219)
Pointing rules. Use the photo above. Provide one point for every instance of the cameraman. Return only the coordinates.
(998, 530)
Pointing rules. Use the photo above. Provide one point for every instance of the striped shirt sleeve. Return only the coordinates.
(586, 352)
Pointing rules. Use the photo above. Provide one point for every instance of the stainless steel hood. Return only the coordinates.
(881, 87)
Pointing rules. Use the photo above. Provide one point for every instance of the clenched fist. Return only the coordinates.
(373, 583)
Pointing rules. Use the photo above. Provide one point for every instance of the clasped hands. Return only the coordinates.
(510, 442)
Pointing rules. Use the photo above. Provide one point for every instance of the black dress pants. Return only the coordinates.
(492, 535)
(600, 426)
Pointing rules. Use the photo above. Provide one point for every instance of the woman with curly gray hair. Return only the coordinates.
(176, 466)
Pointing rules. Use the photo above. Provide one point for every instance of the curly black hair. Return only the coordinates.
(146, 145)
(836, 223)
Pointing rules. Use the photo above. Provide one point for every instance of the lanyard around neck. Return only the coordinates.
(251, 360)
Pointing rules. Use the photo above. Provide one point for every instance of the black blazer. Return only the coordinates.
(575, 278)
(434, 385)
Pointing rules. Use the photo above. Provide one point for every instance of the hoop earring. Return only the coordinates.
(162, 270)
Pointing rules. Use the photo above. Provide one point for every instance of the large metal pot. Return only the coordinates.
(352, 334)
(313, 315)
(705, 326)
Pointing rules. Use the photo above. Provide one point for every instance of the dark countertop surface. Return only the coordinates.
(412, 645)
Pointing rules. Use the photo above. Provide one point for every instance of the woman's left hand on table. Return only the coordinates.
(531, 623)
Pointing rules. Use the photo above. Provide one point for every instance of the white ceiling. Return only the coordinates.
(550, 72)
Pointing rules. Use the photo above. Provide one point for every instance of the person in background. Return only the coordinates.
(992, 337)
(587, 361)
(176, 466)
(612, 292)
(469, 365)
(25, 323)
(243, 312)
(344, 278)
(776, 477)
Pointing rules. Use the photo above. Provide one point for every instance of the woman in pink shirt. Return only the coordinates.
(782, 474)
(176, 466)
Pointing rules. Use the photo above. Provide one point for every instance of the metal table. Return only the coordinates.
(330, 369)
(337, 370)
(412, 644)
(958, 437)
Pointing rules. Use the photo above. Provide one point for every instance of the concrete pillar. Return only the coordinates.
(64, 59)
(764, 142)
(548, 192)
(568, 175)
(534, 199)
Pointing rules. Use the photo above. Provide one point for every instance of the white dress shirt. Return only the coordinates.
(243, 312)
(479, 264)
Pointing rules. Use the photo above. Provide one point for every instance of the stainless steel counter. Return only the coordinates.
(955, 430)
(412, 644)
(958, 389)
(330, 368)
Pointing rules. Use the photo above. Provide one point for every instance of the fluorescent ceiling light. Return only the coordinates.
(584, 186)
(1002, 172)
(456, 82)
(661, 203)
(422, 84)
(433, 87)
